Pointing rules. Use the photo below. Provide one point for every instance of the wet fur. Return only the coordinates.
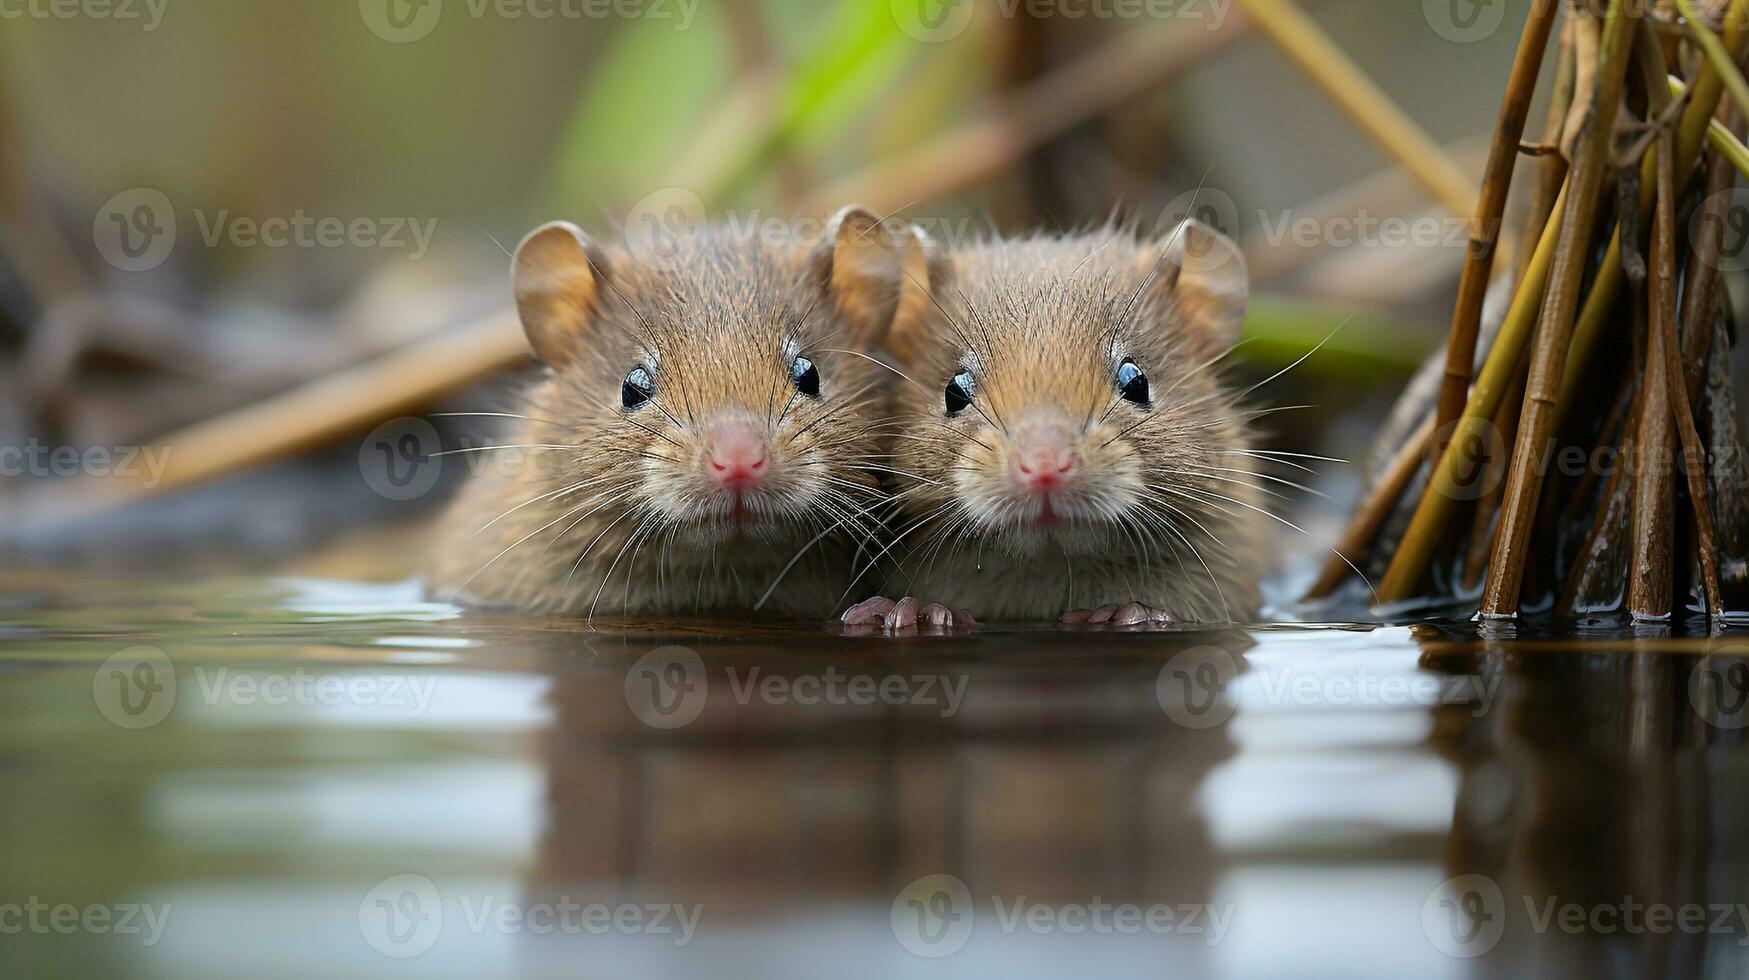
(1171, 514)
(607, 517)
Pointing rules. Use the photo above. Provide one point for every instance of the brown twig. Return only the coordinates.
(1700, 292)
(1466, 320)
(1668, 356)
(1652, 520)
(1560, 303)
(1553, 170)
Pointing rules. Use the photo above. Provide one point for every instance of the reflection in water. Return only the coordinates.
(344, 781)
(1599, 829)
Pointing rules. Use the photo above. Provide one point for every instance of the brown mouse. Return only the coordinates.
(1066, 448)
(707, 424)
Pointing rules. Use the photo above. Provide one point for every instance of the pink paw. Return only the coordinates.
(1132, 614)
(907, 614)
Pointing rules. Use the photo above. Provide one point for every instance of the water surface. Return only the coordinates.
(305, 777)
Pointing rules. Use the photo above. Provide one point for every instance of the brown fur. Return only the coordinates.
(1167, 514)
(614, 511)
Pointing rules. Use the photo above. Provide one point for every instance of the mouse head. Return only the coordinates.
(1066, 392)
(718, 385)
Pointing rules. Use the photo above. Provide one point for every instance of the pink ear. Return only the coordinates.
(556, 276)
(1204, 276)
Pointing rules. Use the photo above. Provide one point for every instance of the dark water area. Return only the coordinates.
(308, 777)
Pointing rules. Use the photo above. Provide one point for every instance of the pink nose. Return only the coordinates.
(738, 458)
(1046, 464)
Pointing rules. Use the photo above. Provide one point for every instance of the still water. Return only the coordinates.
(312, 778)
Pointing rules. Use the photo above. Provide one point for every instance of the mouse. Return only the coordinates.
(704, 433)
(1065, 447)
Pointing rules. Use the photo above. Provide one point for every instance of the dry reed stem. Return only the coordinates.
(1669, 358)
(1466, 321)
(1560, 304)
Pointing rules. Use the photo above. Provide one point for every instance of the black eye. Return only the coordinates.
(959, 392)
(638, 388)
(1132, 383)
(806, 376)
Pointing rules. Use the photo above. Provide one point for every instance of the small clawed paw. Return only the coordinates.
(1131, 614)
(907, 615)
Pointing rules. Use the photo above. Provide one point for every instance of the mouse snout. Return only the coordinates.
(738, 458)
(1045, 459)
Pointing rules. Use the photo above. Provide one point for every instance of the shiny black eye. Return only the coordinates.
(806, 376)
(638, 388)
(1132, 384)
(959, 392)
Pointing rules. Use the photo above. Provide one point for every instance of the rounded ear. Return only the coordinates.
(858, 261)
(1203, 277)
(923, 266)
(557, 275)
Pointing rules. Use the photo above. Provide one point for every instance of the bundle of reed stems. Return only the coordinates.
(1589, 461)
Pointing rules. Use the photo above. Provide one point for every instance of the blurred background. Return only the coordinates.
(209, 202)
